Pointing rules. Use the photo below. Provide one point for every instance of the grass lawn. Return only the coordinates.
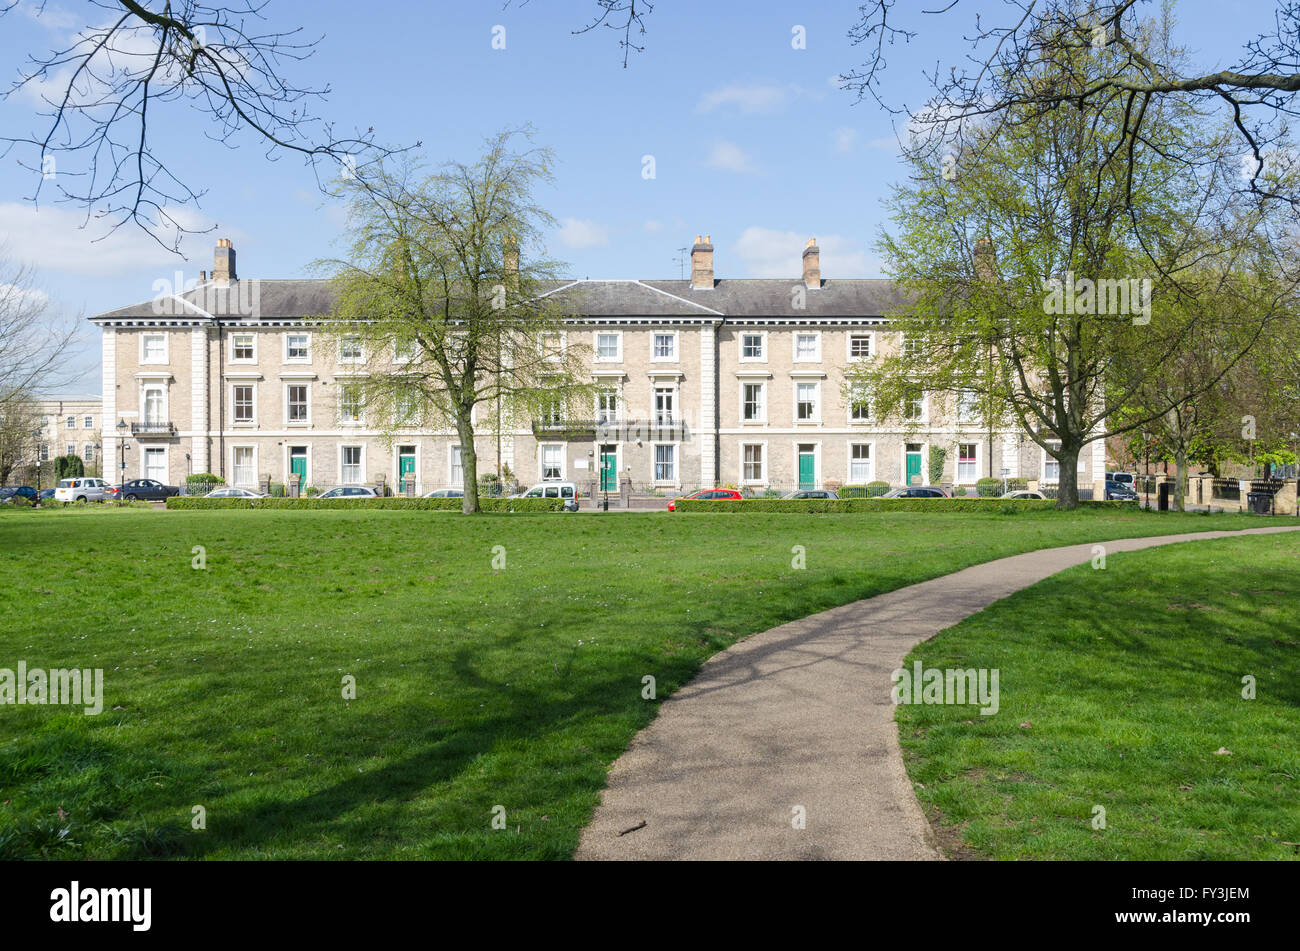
(1131, 679)
(475, 687)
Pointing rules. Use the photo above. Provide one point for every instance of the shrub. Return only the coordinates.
(206, 478)
(989, 487)
(937, 456)
(868, 491)
(841, 506)
(277, 490)
(960, 492)
(68, 467)
(393, 502)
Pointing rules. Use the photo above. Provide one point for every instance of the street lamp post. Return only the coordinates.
(121, 437)
(36, 434)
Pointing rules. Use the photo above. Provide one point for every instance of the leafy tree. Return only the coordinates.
(1029, 270)
(446, 303)
(68, 467)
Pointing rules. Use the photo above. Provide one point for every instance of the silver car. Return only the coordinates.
(350, 492)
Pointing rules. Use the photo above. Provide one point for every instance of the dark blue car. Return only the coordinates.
(1120, 492)
(10, 492)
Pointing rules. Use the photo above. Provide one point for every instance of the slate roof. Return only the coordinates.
(740, 299)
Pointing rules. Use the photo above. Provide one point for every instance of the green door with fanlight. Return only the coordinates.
(807, 467)
(609, 468)
(298, 465)
(913, 463)
(405, 467)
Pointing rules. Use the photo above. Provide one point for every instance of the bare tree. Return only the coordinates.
(1000, 80)
(140, 63)
(33, 343)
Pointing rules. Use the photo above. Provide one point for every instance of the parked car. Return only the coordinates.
(233, 492)
(1123, 478)
(916, 492)
(712, 495)
(350, 492)
(1023, 495)
(1120, 491)
(148, 490)
(445, 494)
(81, 490)
(811, 494)
(553, 490)
(46, 495)
(11, 492)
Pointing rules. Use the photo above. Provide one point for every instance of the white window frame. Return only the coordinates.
(763, 463)
(761, 418)
(292, 359)
(848, 345)
(344, 386)
(960, 417)
(234, 419)
(817, 402)
(234, 468)
(70, 422)
(817, 346)
(762, 346)
(603, 390)
(88, 451)
(542, 447)
(674, 392)
(288, 385)
(654, 464)
(618, 346)
(675, 356)
(454, 454)
(361, 465)
(361, 349)
(975, 463)
(235, 335)
(924, 418)
(854, 395)
(145, 387)
(871, 462)
(558, 355)
(166, 349)
(87, 422)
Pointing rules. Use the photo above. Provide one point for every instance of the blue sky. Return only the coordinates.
(752, 140)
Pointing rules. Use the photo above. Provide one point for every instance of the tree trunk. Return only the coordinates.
(1067, 486)
(1180, 479)
(468, 463)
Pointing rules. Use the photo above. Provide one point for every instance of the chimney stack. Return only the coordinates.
(510, 262)
(702, 264)
(223, 266)
(985, 260)
(812, 268)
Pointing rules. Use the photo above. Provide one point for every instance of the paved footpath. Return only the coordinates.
(801, 716)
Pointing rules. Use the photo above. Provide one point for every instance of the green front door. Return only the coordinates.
(608, 469)
(807, 467)
(298, 465)
(405, 467)
(913, 465)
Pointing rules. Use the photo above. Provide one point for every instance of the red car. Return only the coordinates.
(713, 495)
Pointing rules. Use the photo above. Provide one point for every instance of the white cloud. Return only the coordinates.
(750, 97)
(47, 14)
(844, 140)
(730, 158)
(55, 239)
(766, 252)
(579, 233)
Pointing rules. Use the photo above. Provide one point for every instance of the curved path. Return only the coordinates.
(800, 715)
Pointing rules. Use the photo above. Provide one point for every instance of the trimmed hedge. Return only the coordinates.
(394, 502)
(868, 491)
(1000, 506)
(990, 488)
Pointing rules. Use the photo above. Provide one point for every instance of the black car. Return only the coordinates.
(145, 490)
(11, 492)
(1120, 492)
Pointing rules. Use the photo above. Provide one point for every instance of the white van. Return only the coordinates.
(80, 490)
(554, 490)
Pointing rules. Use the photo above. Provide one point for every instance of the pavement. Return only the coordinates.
(800, 717)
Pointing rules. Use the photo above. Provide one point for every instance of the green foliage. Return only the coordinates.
(966, 505)
(68, 467)
(205, 478)
(937, 455)
(990, 488)
(868, 491)
(392, 502)
(277, 490)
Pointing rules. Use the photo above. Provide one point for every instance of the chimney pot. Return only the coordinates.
(702, 264)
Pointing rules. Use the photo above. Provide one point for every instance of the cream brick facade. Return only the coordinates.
(204, 388)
